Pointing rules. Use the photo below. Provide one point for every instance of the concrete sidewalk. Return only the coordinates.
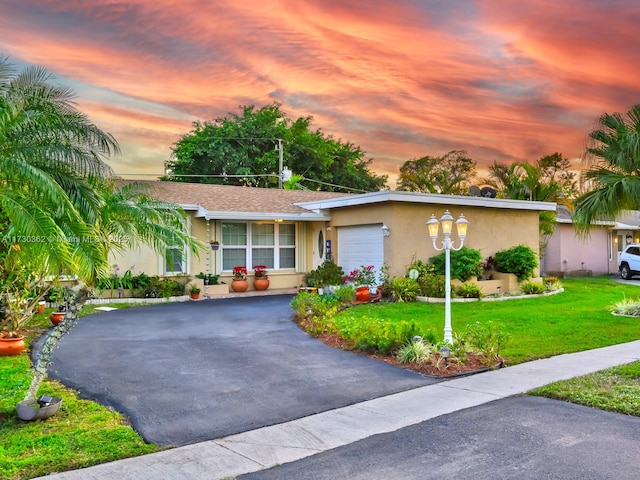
(265, 447)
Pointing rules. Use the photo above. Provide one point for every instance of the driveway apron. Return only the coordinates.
(194, 371)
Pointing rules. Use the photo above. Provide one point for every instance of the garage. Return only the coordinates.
(360, 245)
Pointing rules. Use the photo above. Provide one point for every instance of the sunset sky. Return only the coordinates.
(505, 80)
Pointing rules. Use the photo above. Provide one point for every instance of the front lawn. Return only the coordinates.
(81, 434)
(574, 320)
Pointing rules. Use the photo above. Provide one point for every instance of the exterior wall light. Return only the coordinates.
(385, 231)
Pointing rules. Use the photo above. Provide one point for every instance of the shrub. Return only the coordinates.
(519, 260)
(415, 352)
(209, 278)
(329, 273)
(552, 284)
(316, 313)
(484, 339)
(404, 289)
(469, 290)
(375, 334)
(533, 288)
(345, 293)
(432, 286)
(465, 263)
(626, 306)
(165, 288)
(423, 269)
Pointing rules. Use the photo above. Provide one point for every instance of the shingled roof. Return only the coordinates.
(224, 201)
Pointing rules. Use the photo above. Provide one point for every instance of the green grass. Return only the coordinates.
(81, 434)
(616, 389)
(577, 319)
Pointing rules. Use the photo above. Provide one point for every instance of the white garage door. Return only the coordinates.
(360, 245)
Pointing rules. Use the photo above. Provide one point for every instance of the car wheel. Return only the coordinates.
(625, 273)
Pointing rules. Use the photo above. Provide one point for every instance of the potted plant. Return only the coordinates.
(194, 292)
(215, 245)
(239, 282)
(20, 293)
(260, 277)
(364, 279)
(61, 296)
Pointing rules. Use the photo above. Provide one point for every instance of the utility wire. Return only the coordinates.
(243, 176)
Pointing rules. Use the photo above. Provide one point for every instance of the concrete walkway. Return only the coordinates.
(259, 449)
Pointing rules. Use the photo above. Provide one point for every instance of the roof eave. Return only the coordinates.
(244, 216)
(434, 199)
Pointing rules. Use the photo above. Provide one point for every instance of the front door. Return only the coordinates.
(319, 246)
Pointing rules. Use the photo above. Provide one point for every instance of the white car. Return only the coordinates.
(629, 261)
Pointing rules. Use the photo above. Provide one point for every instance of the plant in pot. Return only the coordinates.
(260, 277)
(20, 293)
(62, 296)
(364, 279)
(194, 292)
(329, 276)
(239, 282)
(209, 278)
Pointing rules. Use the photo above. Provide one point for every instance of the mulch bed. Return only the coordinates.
(472, 365)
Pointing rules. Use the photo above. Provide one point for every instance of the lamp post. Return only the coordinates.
(447, 245)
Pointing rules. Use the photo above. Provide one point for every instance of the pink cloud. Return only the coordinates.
(504, 80)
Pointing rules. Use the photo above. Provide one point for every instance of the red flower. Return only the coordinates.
(240, 272)
(260, 271)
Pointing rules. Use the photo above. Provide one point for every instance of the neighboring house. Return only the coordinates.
(567, 253)
(294, 231)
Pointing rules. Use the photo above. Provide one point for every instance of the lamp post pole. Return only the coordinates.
(447, 245)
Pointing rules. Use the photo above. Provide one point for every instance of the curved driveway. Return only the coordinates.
(194, 371)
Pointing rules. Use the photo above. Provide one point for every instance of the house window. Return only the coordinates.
(234, 241)
(174, 261)
(270, 244)
(287, 245)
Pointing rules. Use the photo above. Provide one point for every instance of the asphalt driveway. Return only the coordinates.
(194, 371)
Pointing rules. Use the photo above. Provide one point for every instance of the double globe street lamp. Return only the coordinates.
(447, 245)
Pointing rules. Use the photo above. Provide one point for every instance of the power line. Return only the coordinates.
(242, 176)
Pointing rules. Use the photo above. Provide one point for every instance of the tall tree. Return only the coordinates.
(451, 174)
(57, 211)
(612, 177)
(243, 149)
(548, 180)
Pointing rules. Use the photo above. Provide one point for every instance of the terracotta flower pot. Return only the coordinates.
(10, 346)
(57, 317)
(261, 283)
(363, 294)
(239, 285)
(194, 296)
(41, 306)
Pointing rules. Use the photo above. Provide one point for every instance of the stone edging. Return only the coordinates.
(488, 299)
(104, 301)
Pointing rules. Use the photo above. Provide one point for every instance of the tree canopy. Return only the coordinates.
(242, 149)
(451, 173)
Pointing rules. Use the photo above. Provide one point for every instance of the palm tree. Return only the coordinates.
(48, 149)
(548, 180)
(59, 209)
(613, 175)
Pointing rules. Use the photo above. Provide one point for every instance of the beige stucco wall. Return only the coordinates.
(490, 229)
